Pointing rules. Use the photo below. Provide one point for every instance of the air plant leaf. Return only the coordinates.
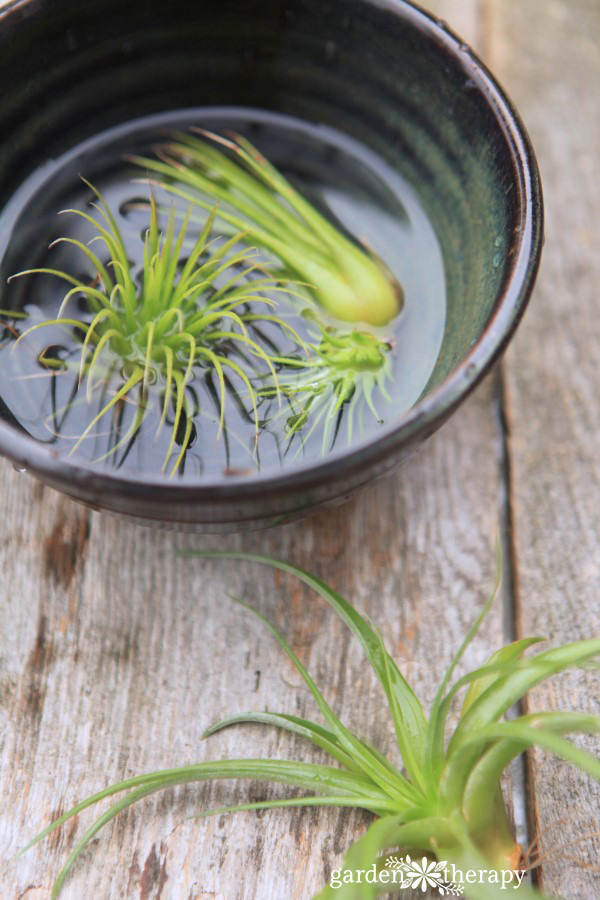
(451, 812)
(178, 319)
(12, 314)
(412, 730)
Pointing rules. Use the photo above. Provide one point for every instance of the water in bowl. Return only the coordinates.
(356, 189)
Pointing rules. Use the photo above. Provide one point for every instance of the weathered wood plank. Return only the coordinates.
(547, 52)
(116, 654)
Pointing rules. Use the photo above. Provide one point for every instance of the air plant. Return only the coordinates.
(345, 370)
(186, 314)
(445, 803)
(254, 197)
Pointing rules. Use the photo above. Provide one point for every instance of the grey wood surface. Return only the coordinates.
(115, 653)
(549, 56)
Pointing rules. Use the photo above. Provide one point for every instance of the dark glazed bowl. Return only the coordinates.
(382, 71)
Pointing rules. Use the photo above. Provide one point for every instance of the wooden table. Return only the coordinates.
(115, 654)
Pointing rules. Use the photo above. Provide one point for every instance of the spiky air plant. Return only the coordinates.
(189, 313)
(340, 278)
(347, 281)
(346, 370)
(444, 802)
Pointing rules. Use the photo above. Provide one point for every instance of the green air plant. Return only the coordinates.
(445, 803)
(346, 368)
(346, 280)
(189, 312)
(340, 279)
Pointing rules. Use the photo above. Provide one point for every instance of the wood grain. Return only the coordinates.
(547, 52)
(115, 653)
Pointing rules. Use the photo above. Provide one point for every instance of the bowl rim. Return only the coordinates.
(524, 251)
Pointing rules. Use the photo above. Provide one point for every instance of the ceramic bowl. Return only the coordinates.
(381, 71)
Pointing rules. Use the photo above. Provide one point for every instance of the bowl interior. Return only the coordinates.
(68, 72)
(377, 70)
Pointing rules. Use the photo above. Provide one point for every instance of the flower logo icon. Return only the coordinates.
(424, 875)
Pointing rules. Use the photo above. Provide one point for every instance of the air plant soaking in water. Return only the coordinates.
(243, 318)
(443, 804)
(158, 332)
(259, 202)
